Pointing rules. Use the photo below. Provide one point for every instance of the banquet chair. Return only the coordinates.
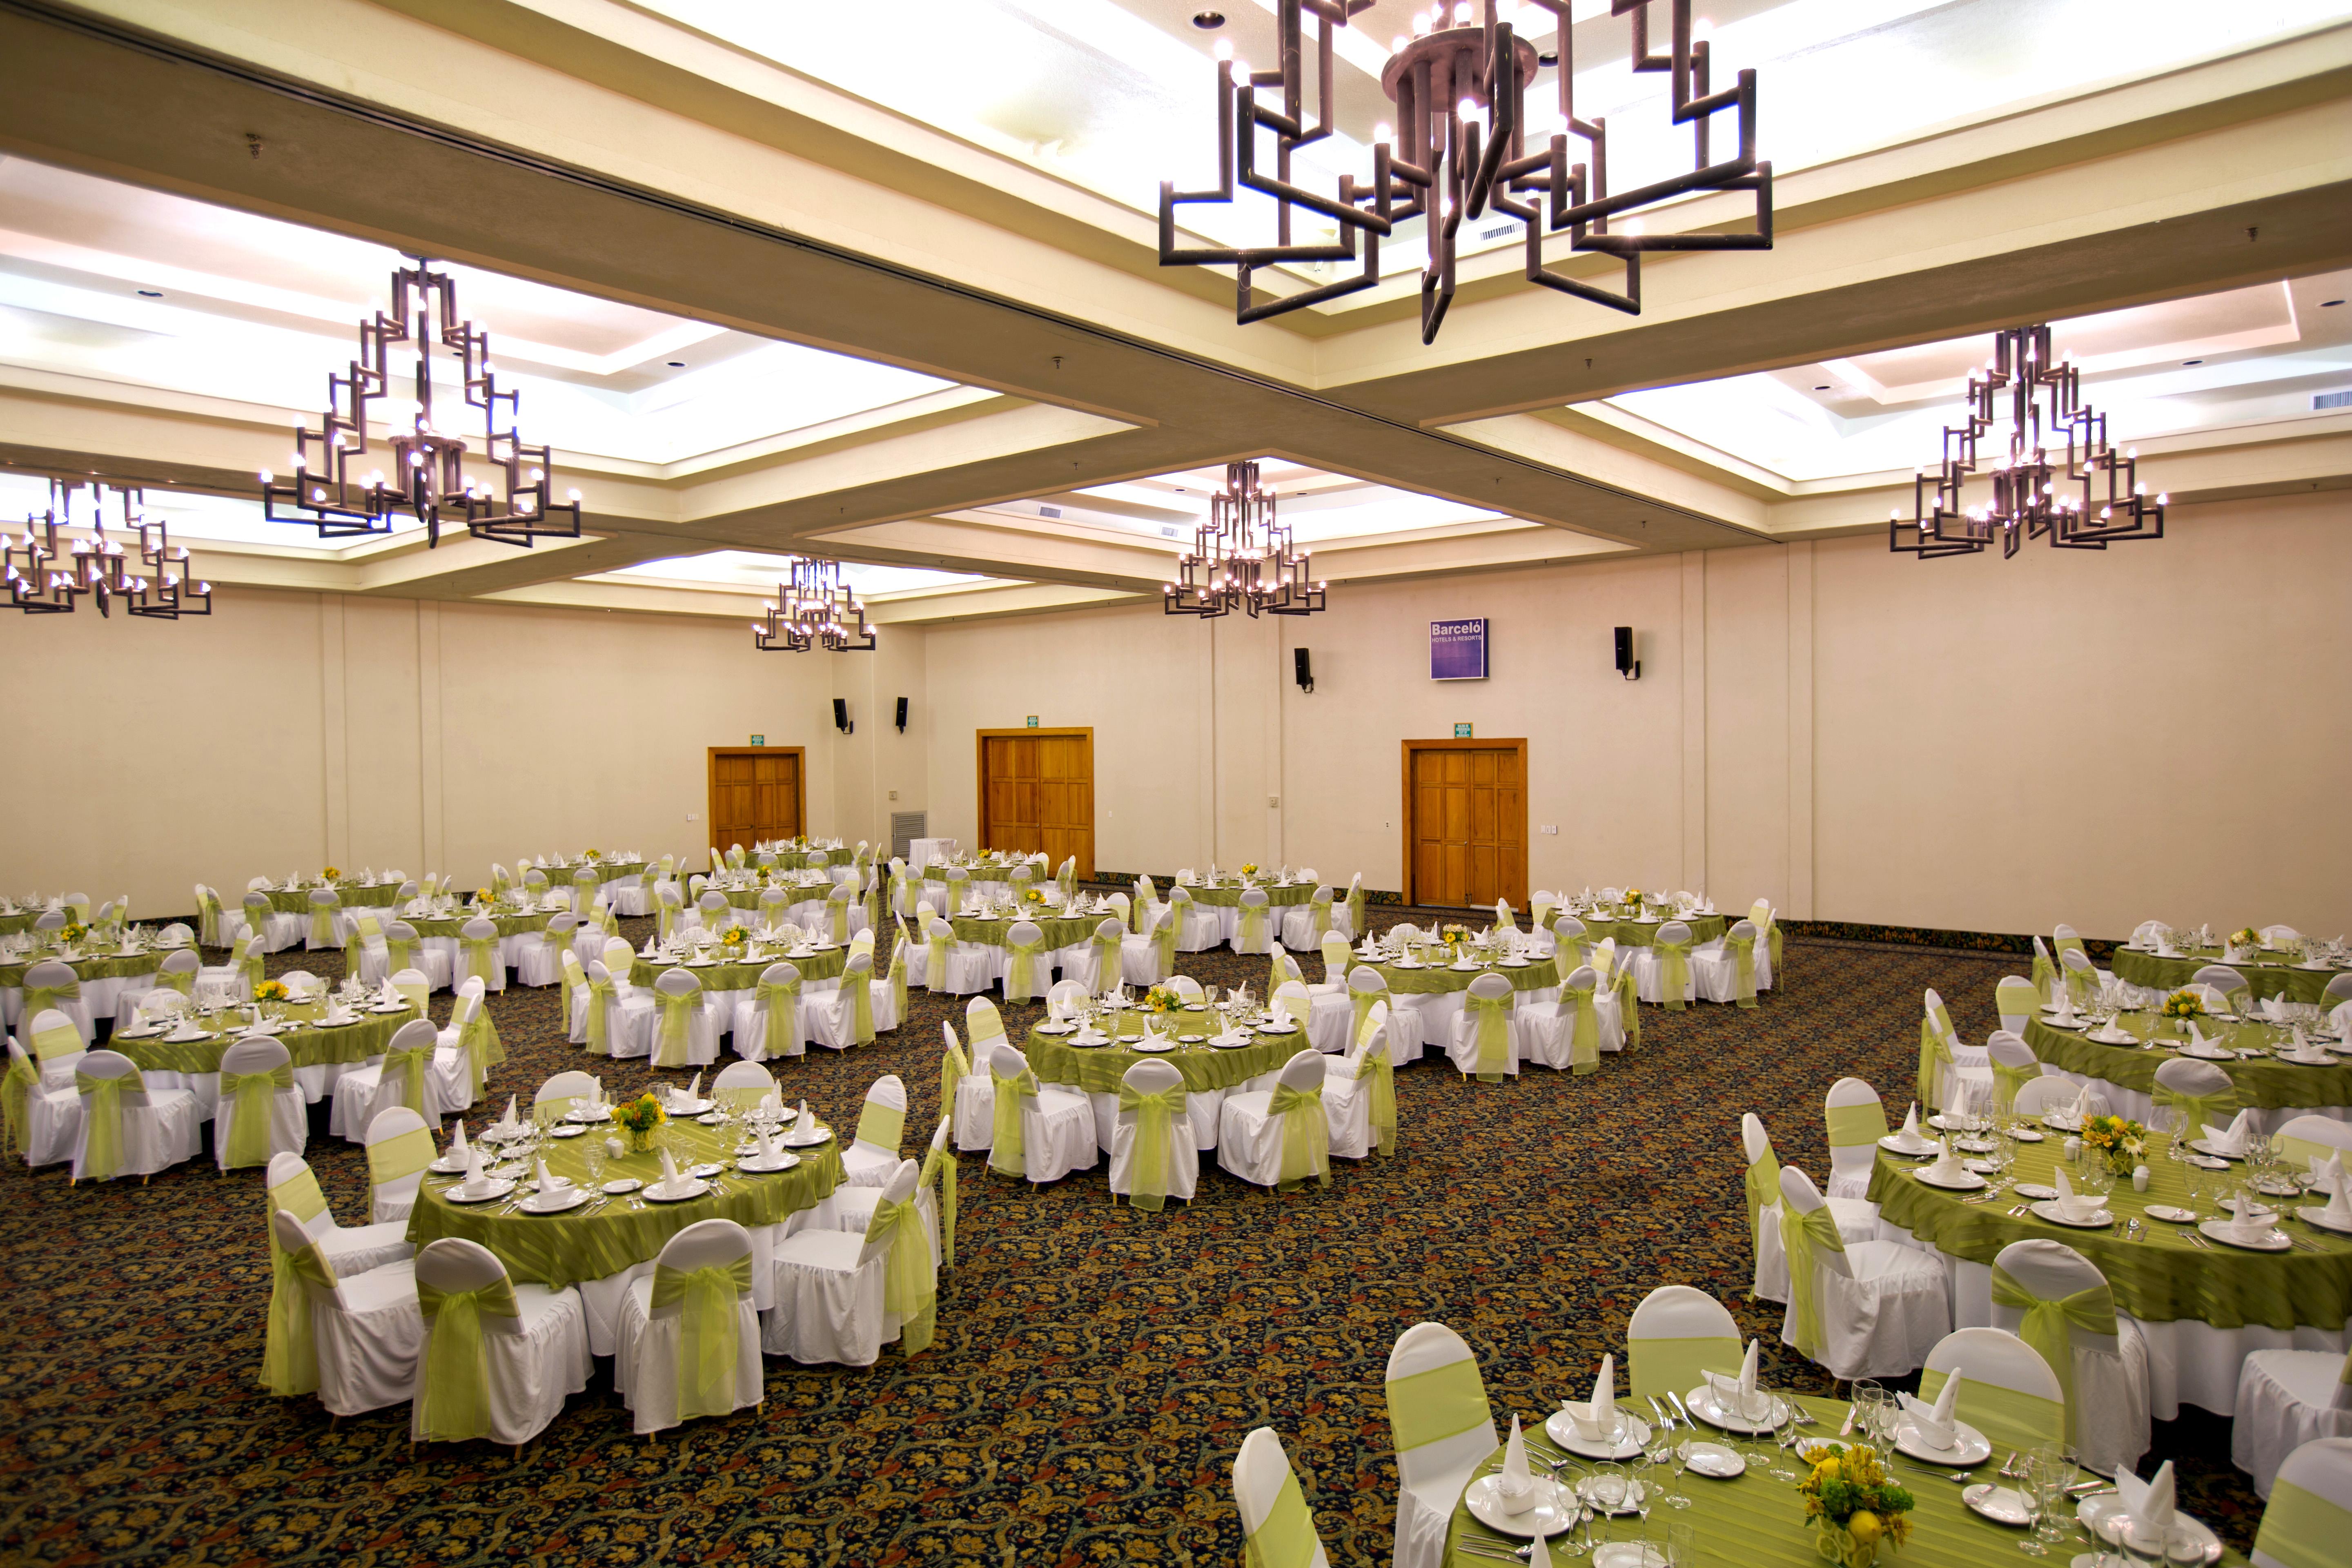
(550, 1102)
(1148, 958)
(1675, 1336)
(176, 974)
(852, 1208)
(1278, 1526)
(1350, 1085)
(833, 1287)
(400, 940)
(327, 925)
(1714, 968)
(128, 1128)
(673, 1020)
(2220, 977)
(1253, 932)
(669, 909)
(1872, 1309)
(497, 1358)
(1050, 1131)
(2199, 1091)
(1100, 963)
(711, 912)
(291, 1184)
(769, 1025)
(2052, 1092)
(775, 907)
(363, 1329)
(951, 967)
(50, 1105)
(1154, 1114)
(277, 932)
(2082, 977)
(1856, 1218)
(965, 1088)
(2310, 1508)
(1766, 920)
(2017, 1001)
(1483, 1039)
(1367, 987)
(2339, 990)
(844, 1016)
(585, 886)
(2059, 1302)
(55, 920)
(1028, 967)
(636, 897)
(843, 918)
(208, 917)
(695, 1274)
(620, 961)
(399, 1147)
(1953, 1076)
(1338, 959)
(405, 1075)
(63, 993)
(1303, 925)
(742, 1086)
(2013, 1066)
(1856, 1120)
(2310, 1142)
(1442, 1430)
(1291, 1000)
(542, 963)
(1065, 997)
(478, 955)
(1278, 1137)
(869, 1159)
(1198, 927)
(2287, 1398)
(261, 1112)
(1662, 971)
(465, 1052)
(1553, 1036)
(2008, 1392)
(1347, 911)
(412, 987)
(600, 1026)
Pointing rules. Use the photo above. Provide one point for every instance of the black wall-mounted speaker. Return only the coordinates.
(902, 715)
(1305, 671)
(1627, 664)
(841, 716)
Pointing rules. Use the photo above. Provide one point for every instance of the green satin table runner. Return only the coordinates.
(2161, 1277)
(104, 966)
(820, 966)
(1097, 1070)
(352, 896)
(454, 926)
(1755, 1521)
(2263, 1082)
(2271, 975)
(1536, 974)
(1060, 930)
(556, 1250)
(1226, 893)
(309, 1047)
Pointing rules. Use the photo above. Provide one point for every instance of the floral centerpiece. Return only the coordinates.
(1249, 867)
(1633, 899)
(735, 939)
(1162, 999)
(2244, 940)
(1860, 1512)
(591, 856)
(71, 933)
(1033, 897)
(2182, 1006)
(639, 1119)
(330, 875)
(272, 991)
(483, 897)
(2125, 1143)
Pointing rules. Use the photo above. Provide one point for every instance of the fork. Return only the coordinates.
(1665, 1420)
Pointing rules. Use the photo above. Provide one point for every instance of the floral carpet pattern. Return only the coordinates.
(1096, 1368)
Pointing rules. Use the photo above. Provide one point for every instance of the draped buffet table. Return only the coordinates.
(322, 1055)
(602, 1247)
(2202, 1309)
(2277, 1091)
(1210, 1072)
(2272, 975)
(103, 979)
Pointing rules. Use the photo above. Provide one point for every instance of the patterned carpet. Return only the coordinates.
(1096, 1368)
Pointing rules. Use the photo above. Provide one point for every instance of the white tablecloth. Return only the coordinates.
(923, 852)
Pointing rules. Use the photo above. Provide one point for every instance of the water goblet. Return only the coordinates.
(2029, 1492)
(592, 1150)
(2052, 1470)
(1682, 1546)
(1784, 1439)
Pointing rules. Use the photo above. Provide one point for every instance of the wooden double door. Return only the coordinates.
(1037, 793)
(757, 791)
(1465, 822)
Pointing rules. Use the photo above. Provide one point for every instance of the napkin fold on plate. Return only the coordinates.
(549, 1182)
(1948, 1166)
(1538, 1555)
(1517, 1490)
(1935, 1421)
(1596, 1421)
(1737, 1395)
(668, 1182)
(458, 1144)
(693, 1090)
(2230, 1139)
(1910, 1134)
(508, 1121)
(801, 1122)
(2149, 1502)
(475, 1180)
(2339, 1198)
(2070, 1204)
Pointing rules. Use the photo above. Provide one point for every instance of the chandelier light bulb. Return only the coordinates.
(267, 478)
(1224, 49)
(1461, 14)
(1382, 132)
(1397, 44)
(1468, 110)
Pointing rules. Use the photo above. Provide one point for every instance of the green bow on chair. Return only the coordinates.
(1584, 1031)
(1379, 1068)
(1306, 1137)
(2045, 1327)
(1673, 971)
(907, 1292)
(1935, 1055)
(250, 964)
(939, 1173)
(2045, 974)
(2197, 1111)
(1006, 1156)
(709, 1337)
(102, 1122)
(1491, 1019)
(2008, 1081)
(1629, 1006)
(673, 1036)
(837, 911)
(16, 1100)
(1319, 916)
(602, 993)
(182, 981)
(1254, 925)
(484, 1050)
(1763, 1183)
(40, 999)
(935, 962)
(478, 959)
(1356, 913)
(1743, 968)
(776, 1000)
(954, 1068)
(860, 984)
(1803, 1236)
(1780, 968)
(453, 1404)
(322, 922)
(1154, 1116)
(1021, 969)
(416, 1060)
(248, 1098)
(1163, 946)
(1108, 963)
(290, 1356)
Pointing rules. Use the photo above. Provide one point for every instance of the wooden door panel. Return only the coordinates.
(1037, 795)
(1465, 838)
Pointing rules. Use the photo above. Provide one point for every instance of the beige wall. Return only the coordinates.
(2157, 731)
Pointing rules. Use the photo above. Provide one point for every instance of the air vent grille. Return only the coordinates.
(2320, 400)
(906, 827)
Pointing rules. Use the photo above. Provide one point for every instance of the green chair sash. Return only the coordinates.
(897, 978)
(17, 1102)
(908, 1292)
(484, 1050)
(1306, 1137)
(1254, 926)
(1743, 969)
(1005, 1154)
(2218, 1108)
(935, 962)
(1850, 1125)
(1804, 1236)
(2009, 1420)
(776, 1000)
(322, 922)
(477, 958)
(102, 1120)
(1673, 971)
(1430, 1406)
(2083, 986)
(453, 1402)
(1153, 1115)
(1763, 1184)
(289, 1355)
(939, 1173)
(884, 1126)
(1356, 913)
(1676, 1367)
(251, 964)
(709, 1339)
(1935, 1056)
(2008, 1081)
(40, 999)
(860, 985)
(1540, 915)
(2303, 1530)
(1109, 967)
(2045, 976)
(2048, 1323)
(2016, 998)
(403, 1155)
(837, 911)
(246, 1097)
(1380, 1068)
(954, 1068)
(1491, 1039)
(2063, 945)
(673, 1033)
(1584, 1028)
(298, 1195)
(182, 981)
(602, 993)
(1360, 1004)
(414, 1060)
(1286, 1537)
(1629, 1006)
(1319, 915)
(1021, 969)
(1779, 965)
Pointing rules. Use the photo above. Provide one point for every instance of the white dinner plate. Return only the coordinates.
(1999, 1504)
(1700, 1400)
(1550, 1515)
(2026, 1135)
(1634, 1438)
(1278, 1028)
(2205, 1147)
(492, 1190)
(1153, 1047)
(620, 1185)
(711, 1119)
(2318, 1216)
(1894, 1140)
(2102, 1513)
(556, 1201)
(2098, 1219)
(1058, 1028)
(150, 1032)
(1713, 1460)
(1192, 1039)
(2034, 1190)
(808, 1140)
(2169, 1214)
(784, 1162)
(567, 1130)
(2267, 1241)
(446, 1166)
(705, 1168)
(389, 1007)
(585, 1117)
(1969, 1185)
(1972, 1447)
(687, 1191)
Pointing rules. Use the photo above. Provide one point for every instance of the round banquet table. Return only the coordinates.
(11, 924)
(802, 894)
(603, 1247)
(440, 933)
(321, 1055)
(353, 896)
(612, 875)
(2276, 1092)
(1435, 991)
(1628, 932)
(1059, 931)
(1223, 899)
(1210, 1074)
(2268, 976)
(1755, 1522)
(2202, 1309)
(103, 978)
(990, 875)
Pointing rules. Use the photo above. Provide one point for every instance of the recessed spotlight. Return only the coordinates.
(1548, 60)
(678, 364)
(151, 293)
(2190, 362)
(2325, 303)
(1208, 21)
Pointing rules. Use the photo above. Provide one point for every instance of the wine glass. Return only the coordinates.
(2029, 1492)
(1664, 1448)
(1784, 1439)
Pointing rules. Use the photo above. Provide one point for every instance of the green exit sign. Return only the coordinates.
(1032, 721)
(758, 740)
(1462, 732)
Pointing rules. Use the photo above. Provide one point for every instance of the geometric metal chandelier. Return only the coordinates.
(498, 488)
(46, 576)
(1463, 144)
(1228, 568)
(813, 609)
(2054, 439)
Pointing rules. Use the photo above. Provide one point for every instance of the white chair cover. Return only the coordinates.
(365, 1328)
(649, 1341)
(530, 1362)
(1883, 1306)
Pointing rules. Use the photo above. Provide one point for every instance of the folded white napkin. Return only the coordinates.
(1935, 1421)
(801, 1117)
(1736, 1394)
(1910, 1134)
(2230, 1139)
(1538, 1555)
(509, 1119)
(1948, 1165)
(1517, 1490)
(548, 1181)
(458, 1144)
(1596, 1421)
(2083, 1104)
(475, 1180)
(2149, 1502)
(2339, 1200)
(2072, 1205)
(670, 1171)
(2065, 1014)
(693, 1090)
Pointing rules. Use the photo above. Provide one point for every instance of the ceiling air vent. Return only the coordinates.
(1505, 232)
(1049, 512)
(2320, 400)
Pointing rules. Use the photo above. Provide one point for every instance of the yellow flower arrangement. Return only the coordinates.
(2125, 1143)
(2183, 1005)
(1859, 1510)
(482, 895)
(1633, 899)
(2245, 939)
(71, 933)
(330, 874)
(1162, 999)
(734, 937)
(1249, 867)
(272, 991)
(1033, 896)
(640, 1118)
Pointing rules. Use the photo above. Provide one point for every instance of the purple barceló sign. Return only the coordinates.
(1457, 650)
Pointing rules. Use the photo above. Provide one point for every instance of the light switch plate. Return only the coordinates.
(1549, 827)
